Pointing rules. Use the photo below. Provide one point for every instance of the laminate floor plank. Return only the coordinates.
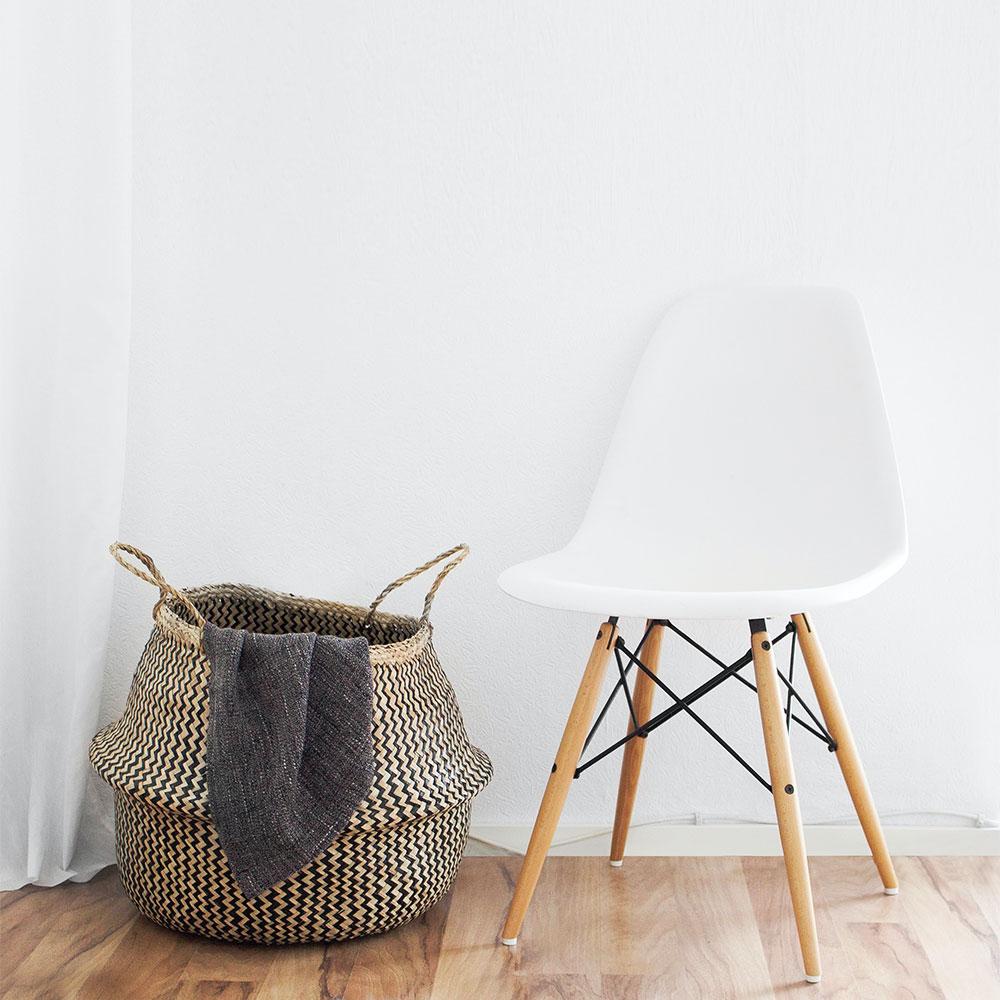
(767, 884)
(221, 961)
(719, 946)
(647, 987)
(962, 946)
(655, 929)
(148, 962)
(851, 891)
(982, 877)
(77, 943)
(562, 987)
(27, 915)
(640, 922)
(890, 964)
(310, 970)
(561, 940)
(472, 962)
(216, 989)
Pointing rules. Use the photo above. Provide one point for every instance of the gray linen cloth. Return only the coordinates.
(289, 754)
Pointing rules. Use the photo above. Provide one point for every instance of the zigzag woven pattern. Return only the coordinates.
(400, 850)
(175, 871)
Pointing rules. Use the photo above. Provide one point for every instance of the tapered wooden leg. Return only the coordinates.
(847, 752)
(642, 703)
(567, 758)
(786, 806)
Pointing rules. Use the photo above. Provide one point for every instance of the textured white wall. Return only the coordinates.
(394, 266)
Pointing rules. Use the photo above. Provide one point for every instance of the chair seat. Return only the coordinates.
(568, 581)
(751, 473)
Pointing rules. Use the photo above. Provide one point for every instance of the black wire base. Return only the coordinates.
(623, 654)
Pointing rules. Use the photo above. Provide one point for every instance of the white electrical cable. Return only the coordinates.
(701, 819)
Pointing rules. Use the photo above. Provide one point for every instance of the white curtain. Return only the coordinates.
(65, 152)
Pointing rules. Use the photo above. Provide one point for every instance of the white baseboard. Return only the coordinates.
(757, 839)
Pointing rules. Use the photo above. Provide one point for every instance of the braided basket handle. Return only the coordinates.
(459, 551)
(155, 577)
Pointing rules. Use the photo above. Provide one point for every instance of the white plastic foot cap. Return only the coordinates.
(617, 864)
(891, 892)
(510, 942)
(812, 979)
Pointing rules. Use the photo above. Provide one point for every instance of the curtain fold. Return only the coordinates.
(65, 250)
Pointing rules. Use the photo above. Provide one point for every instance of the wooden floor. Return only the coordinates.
(658, 927)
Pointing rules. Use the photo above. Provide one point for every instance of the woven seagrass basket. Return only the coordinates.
(400, 851)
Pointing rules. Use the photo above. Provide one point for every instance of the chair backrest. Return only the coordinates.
(753, 451)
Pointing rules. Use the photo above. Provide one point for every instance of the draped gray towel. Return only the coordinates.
(289, 749)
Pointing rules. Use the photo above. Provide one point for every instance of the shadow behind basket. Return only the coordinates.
(401, 849)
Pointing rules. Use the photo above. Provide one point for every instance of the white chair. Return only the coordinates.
(751, 475)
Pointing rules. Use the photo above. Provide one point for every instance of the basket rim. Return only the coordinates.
(167, 618)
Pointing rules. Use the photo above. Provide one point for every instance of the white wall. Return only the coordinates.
(394, 265)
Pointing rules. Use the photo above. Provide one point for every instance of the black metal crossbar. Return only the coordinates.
(699, 692)
(790, 716)
(683, 704)
(823, 734)
(680, 702)
(791, 677)
(624, 680)
(614, 691)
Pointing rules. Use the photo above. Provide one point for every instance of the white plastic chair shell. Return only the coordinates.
(751, 473)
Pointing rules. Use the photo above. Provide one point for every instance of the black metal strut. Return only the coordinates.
(618, 684)
(680, 702)
(822, 734)
(683, 704)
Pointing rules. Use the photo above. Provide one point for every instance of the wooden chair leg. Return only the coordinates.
(628, 782)
(786, 806)
(847, 752)
(567, 758)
